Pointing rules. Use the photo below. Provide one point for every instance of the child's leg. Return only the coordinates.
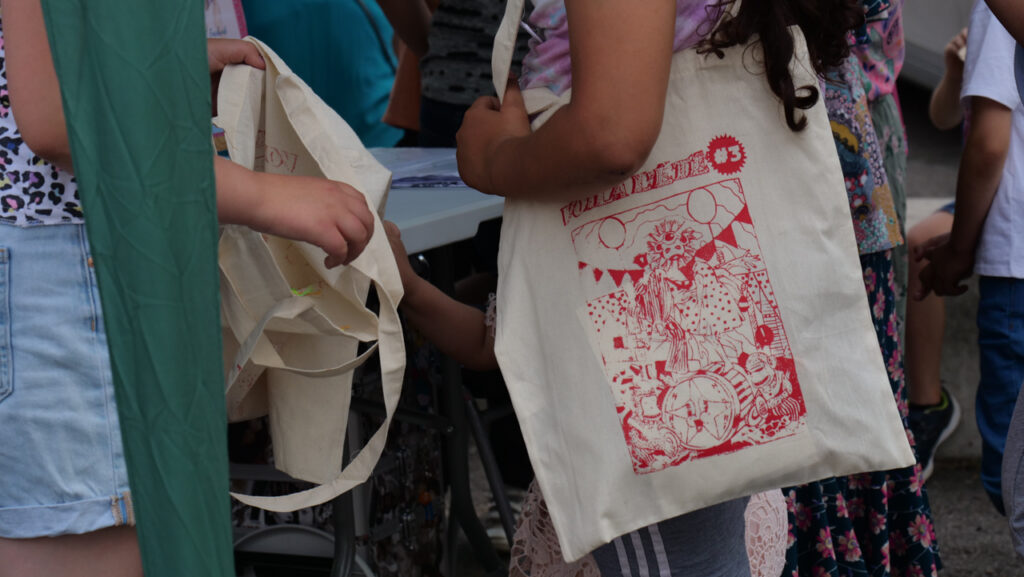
(933, 414)
(111, 552)
(64, 498)
(926, 320)
(1001, 356)
(709, 542)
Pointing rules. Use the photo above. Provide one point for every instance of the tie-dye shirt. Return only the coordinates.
(548, 63)
(881, 51)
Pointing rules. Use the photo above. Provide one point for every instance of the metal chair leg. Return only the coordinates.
(483, 445)
(343, 513)
(458, 466)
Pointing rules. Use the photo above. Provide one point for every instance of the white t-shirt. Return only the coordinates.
(989, 73)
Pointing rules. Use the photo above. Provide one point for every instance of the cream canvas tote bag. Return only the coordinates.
(293, 327)
(700, 331)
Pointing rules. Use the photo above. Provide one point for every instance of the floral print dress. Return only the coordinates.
(871, 524)
(872, 206)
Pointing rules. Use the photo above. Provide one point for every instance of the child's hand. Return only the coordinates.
(945, 109)
(946, 270)
(223, 52)
(485, 127)
(331, 215)
(954, 54)
(409, 276)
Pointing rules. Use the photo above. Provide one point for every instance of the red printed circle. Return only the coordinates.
(727, 154)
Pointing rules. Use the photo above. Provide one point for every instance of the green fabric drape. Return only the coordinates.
(136, 95)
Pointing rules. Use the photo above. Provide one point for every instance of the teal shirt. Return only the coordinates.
(342, 49)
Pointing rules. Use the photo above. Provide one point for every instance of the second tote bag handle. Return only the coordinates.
(258, 299)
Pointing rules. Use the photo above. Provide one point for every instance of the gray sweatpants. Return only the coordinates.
(706, 543)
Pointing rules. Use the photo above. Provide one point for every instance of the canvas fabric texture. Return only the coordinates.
(293, 327)
(699, 332)
(136, 100)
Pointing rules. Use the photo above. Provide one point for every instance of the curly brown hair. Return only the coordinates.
(824, 23)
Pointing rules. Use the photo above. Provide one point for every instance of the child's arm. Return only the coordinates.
(32, 82)
(981, 169)
(621, 56)
(411, 21)
(945, 109)
(35, 92)
(1011, 14)
(223, 52)
(331, 215)
(456, 329)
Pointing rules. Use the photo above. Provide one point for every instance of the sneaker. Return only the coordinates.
(931, 427)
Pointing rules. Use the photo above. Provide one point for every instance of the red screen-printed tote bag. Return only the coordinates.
(287, 318)
(700, 331)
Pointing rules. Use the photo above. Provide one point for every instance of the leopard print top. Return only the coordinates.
(32, 191)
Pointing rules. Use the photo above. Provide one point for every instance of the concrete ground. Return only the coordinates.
(973, 537)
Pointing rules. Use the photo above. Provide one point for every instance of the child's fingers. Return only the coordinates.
(486, 103)
(925, 250)
(253, 58)
(356, 233)
(363, 214)
(918, 253)
(945, 285)
(395, 239)
(223, 52)
(393, 234)
(346, 241)
(960, 44)
(355, 204)
(331, 261)
(242, 52)
(513, 98)
(337, 250)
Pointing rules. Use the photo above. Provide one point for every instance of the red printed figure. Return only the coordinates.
(689, 333)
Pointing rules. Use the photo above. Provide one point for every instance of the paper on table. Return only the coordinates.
(420, 167)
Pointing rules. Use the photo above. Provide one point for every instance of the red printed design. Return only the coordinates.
(689, 332)
(272, 159)
(727, 155)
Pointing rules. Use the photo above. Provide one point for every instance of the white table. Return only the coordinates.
(433, 217)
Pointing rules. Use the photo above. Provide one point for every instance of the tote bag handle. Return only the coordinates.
(239, 112)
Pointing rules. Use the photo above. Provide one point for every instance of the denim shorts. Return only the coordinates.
(62, 468)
